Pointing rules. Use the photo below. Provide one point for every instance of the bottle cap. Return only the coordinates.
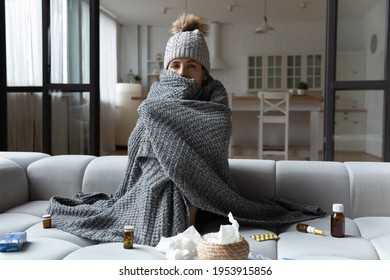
(128, 228)
(46, 216)
(338, 208)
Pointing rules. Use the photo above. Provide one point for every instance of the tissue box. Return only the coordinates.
(12, 241)
(232, 251)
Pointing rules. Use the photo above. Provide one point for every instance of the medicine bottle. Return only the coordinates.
(128, 237)
(337, 221)
(46, 221)
(309, 229)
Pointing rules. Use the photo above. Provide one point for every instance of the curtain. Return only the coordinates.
(69, 60)
(108, 79)
(24, 68)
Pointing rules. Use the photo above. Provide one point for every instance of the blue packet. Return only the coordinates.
(12, 241)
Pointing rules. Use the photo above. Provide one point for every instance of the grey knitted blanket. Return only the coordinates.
(178, 153)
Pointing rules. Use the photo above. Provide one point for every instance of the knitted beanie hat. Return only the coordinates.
(188, 41)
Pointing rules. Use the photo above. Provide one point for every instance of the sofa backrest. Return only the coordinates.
(13, 184)
(24, 159)
(370, 188)
(57, 175)
(104, 174)
(253, 178)
(363, 187)
(320, 183)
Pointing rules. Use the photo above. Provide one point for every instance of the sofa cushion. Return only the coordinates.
(323, 223)
(13, 222)
(57, 175)
(370, 188)
(372, 227)
(37, 230)
(319, 183)
(266, 249)
(13, 184)
(104, 174)
(382, 246)
(35, 208)
(115, 251)
(299, 245)
(42, 249)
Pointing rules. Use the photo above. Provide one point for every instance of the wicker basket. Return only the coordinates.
(232, 251)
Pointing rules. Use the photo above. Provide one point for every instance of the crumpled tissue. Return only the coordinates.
(181, 246)
(227, 234)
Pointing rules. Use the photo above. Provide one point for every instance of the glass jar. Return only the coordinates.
(128, 237)
(46, 221)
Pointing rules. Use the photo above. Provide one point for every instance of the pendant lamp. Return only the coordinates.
(265, 28)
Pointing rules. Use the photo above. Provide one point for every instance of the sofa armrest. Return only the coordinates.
(13, 185)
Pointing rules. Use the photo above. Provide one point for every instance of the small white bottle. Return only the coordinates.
(337, 221)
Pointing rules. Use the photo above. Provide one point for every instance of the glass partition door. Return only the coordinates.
(52, 77)
(356, 108)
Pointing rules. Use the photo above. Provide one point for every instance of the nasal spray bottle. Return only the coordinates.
(309, 229)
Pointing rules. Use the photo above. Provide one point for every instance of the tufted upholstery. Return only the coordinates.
(26, 184)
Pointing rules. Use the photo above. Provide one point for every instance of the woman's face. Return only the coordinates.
(188, 68)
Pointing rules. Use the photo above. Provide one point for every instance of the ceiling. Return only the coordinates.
(163, 12)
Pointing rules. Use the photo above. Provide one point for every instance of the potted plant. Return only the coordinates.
(137, 79)
(302, 87)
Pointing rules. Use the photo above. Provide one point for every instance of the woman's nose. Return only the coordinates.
(181, 71)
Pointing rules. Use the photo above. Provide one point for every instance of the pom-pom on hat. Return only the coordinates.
(188, 41)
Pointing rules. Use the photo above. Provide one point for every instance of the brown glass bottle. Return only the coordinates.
(128, 237)
(46, 221)
(337, 221)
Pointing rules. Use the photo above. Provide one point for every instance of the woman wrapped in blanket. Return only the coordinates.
(178, 171)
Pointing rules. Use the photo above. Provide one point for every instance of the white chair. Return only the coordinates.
(274, 109)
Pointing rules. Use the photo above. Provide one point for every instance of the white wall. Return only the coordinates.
(237, 41)
(128, 50)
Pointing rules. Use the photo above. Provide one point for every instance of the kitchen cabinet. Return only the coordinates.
(284, 71)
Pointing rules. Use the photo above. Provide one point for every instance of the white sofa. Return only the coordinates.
(28, 180)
